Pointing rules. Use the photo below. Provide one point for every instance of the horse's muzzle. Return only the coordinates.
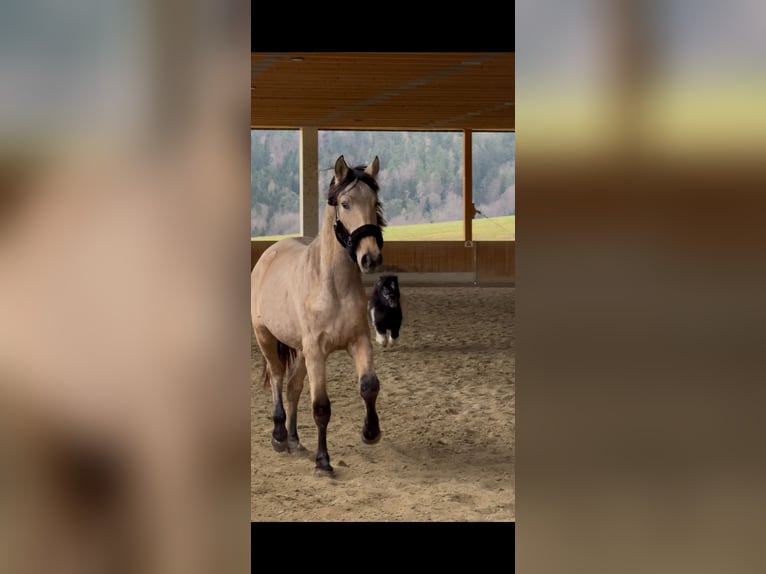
(370, 262)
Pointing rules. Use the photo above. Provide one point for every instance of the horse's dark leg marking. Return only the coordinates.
(268, 345)
(369, 385)
(294, 389)
(320, 403)
(322, 412)
(279, 434)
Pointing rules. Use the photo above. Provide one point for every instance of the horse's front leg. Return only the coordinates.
(369, 385)
(320, 404)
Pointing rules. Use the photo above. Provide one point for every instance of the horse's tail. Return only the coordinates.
(286, 357)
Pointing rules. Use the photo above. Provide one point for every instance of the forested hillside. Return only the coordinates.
(421, 174)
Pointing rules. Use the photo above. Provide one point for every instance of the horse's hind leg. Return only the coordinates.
(276, 372)
(369, 385)
(320, 404)
(294, 389)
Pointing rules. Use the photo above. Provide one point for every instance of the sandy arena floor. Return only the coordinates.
(447, 415)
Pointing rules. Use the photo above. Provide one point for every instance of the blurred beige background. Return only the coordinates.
(124, 250)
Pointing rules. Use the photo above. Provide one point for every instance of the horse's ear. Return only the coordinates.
(373, 168)
(341, 169)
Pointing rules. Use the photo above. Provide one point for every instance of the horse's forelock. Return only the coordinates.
(353, 175)
(337, 186)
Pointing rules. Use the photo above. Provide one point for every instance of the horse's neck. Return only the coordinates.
(335, 267)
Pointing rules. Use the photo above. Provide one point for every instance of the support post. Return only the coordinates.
(309, 157)
(468, 211)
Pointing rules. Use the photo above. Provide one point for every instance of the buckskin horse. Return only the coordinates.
(308, 301)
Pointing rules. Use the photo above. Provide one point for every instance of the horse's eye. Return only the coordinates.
(345, 205)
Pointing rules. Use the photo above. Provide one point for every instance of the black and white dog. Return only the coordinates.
(385, 309)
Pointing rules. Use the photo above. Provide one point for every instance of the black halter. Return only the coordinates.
(350, 241)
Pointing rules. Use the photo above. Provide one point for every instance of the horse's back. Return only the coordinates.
(277, 260)
(276, 281)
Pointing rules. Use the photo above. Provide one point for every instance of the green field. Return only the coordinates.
(484, 229)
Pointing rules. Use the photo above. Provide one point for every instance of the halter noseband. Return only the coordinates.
(350, 241)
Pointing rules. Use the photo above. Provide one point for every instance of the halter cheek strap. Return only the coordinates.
(350, 241)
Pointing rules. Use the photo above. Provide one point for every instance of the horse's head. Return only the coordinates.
(358, 212)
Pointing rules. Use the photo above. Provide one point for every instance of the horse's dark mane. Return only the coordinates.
(353, 175)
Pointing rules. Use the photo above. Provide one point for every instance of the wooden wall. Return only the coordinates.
(483, 263)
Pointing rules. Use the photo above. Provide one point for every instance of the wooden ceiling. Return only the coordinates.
(383, 90)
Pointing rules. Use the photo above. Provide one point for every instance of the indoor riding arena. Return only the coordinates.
(446, 402)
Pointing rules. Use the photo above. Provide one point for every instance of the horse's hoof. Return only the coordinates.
(296, 448)
(325, 472)
(369, 438)
(279, 445)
